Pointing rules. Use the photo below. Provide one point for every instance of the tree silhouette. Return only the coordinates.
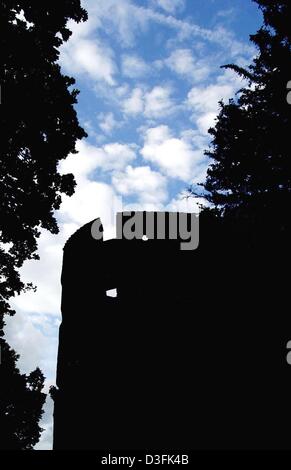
(249, 186)
(39, 128)
(38, 122)
(21, 402)
(250, 176)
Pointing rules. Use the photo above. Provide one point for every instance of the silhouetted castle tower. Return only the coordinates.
(171, 362)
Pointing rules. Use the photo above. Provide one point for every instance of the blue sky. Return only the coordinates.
(150, 80)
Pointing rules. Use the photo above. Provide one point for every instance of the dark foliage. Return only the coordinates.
(21, 402)
(250, 176)
(39, 128)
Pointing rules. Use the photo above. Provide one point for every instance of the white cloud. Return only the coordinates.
(228, 13)
(156, 103)
(176, 157)
(129, 20)
(118, 17)
(46, 439)
(180, 203)
(205, 121)
(91, 200)
(170, 6)
(85, 53)
(134, 66)
(34, 337)
(183, 203)
(47, 297)
(203, 101)
(122, 90)
(108, 123)
(125, 20)
(112, 156)
(183, 63)
(148, 185)
(89, 57)
(134, 104)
